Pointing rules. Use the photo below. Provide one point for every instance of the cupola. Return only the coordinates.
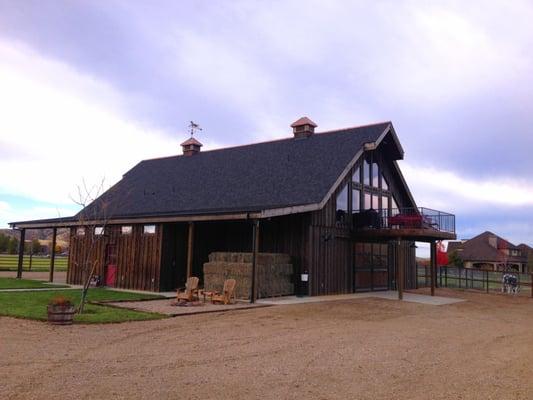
(303, 128)
(191, 147)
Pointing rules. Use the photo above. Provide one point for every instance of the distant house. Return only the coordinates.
(490, 251)
(335, 202)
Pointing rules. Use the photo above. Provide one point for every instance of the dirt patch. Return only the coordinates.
(355, 349)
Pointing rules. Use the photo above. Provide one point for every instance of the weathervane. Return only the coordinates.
(194, 127)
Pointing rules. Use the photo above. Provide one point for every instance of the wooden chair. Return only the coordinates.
(190, 291)
(227, 293)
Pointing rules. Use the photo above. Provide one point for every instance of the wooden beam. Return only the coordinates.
(399, 269)
(255, 251)
(21, 253)
(190, 249)
(53, 255)
(140, 220)
(433, 266)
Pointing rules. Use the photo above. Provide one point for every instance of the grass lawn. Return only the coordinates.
(33, 305)
(13, 283)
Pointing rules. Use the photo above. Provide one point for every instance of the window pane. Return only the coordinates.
(368, 201)
(384, 184)
(375, 202)
(99, 230)
(385, 203)
(375, 175)
(385, 210)
(357, 175)
(126, 230)
(149, 229)
(356, 200)
(80, 231)
(394, 207)
(342, 204)
(366, 172)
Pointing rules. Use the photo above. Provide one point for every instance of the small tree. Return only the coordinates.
(93, 215)
(455, 259)
(13, 245)
(35, 246)
(4, 242)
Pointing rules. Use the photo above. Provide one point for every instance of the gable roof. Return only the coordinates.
(479, 249)
(250, 178)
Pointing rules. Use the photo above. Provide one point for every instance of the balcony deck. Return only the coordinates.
(419, 224)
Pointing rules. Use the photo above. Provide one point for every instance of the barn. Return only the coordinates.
(334, 202)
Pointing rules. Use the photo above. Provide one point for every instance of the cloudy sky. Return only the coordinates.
(89, 88)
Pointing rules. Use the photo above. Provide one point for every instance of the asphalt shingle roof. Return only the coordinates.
(253, 177)
(479, 249)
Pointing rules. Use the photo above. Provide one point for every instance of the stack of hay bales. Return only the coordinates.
(274, 273)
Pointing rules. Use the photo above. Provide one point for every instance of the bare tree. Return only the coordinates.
(93, 219)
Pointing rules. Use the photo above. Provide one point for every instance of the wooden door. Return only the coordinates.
(111, 265)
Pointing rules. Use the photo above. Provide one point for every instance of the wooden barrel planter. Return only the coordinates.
(60, 314)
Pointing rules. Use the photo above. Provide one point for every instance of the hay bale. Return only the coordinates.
(274, 273)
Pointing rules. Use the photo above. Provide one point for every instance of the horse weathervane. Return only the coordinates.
(194, 127)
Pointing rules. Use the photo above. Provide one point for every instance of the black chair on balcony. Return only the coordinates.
(367, 219)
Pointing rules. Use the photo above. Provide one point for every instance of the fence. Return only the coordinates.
(38, 263)
(470, 278)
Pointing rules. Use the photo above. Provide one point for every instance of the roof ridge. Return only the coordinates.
(271, 141)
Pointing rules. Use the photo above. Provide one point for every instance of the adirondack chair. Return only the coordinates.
(227, 293)
(190, 291)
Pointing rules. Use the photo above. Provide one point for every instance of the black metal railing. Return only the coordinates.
(398, 218)
(474, 278)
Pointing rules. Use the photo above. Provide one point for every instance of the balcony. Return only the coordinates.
(406, 223)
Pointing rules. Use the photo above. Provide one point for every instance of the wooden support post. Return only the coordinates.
(399, 269)
(53, 255)
(433, 266)
(190, 249)
(255, 250)
(21, 253)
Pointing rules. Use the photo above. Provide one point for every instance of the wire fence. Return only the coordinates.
(477, 279)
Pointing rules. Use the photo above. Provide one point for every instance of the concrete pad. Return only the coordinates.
(388, 295)
(165, 307)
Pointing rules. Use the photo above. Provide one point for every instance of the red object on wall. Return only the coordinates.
(111, 275)
(442, 256)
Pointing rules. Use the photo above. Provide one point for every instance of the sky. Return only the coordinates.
(90, 88)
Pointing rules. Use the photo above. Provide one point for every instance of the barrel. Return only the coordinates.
(60, 315)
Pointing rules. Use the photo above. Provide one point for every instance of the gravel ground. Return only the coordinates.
(355, 349)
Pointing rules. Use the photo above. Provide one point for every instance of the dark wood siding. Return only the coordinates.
(331, 249)
(138, 256)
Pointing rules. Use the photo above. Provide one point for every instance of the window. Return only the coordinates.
(375, 175)
(368, 201)
(375, 202)
(385, 203)
(342, 205)
(98, 230)
(80, 231)
(357, 175)
(366, 172)
(356, 200)
(384, 184)
(126, 230)
(149, 229)
(385, 210)
(394, 207)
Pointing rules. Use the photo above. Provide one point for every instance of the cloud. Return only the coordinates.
(447, 189)
(68, 126)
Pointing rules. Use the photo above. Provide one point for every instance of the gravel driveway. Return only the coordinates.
(357, 349)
